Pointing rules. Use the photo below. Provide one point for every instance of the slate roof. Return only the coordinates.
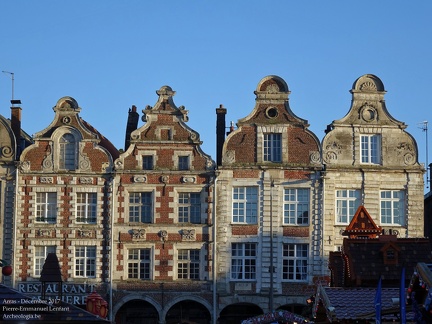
(358, 303)
(366, 262)
(30, 307)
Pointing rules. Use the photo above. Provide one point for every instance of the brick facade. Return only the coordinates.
(159, 229)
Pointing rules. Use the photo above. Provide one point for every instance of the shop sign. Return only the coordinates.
(71, 293)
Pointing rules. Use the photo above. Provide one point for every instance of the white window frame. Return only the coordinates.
(85, 261)
(296, 204)
(86, 210)
(245, 205)
(295, 257)
(140, 263)
(244, 261)
(141, 207)
(393, 207)
(189, 264)
(40, 255)
(187, 205)
(46, 207)
(370, 149)
(272, 146)
(346, 204)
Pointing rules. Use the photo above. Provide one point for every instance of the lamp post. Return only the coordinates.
(6, 268)
(271, 248)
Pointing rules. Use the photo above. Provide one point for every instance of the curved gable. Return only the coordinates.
(271, 127)
(67, 145)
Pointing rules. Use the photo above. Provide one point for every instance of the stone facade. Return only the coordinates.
(368, 154)
(268, 206)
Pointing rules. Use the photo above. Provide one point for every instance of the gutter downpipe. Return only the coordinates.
(111, 252)
(14, 222)
(214, 252)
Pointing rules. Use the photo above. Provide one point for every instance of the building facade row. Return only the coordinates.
(166, 234)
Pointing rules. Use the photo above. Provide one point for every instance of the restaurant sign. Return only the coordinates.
(71, 293)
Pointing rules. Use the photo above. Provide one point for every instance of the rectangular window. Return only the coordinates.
(347, 203)
(189, 209)
(147, 162)
(243, 262)
(139, 264)
(183, 162)
(370, 149)
(46, 207)
(86, 207)
(245, 205)
(393, 207)
(85, 261)
(272, 147)
(296, 206)
(140, 207)
(188, 264)
(67, 152)
(295, 262)
(41, 252)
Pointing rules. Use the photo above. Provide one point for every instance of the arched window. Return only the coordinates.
(67, 152)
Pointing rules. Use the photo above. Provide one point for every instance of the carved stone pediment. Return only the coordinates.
(140, 179)
(138, 234)
(188, 235)
(44, 233)
(85, 233)
(46, 180)
(188, 179)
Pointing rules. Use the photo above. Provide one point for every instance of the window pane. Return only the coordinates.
(296, 206)
(245, 205)
(140, 207)
(243, 261)
(272, 147)
(393, 207)
(295, 262)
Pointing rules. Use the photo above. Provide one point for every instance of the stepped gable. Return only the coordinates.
(271, 114)
(93, 151)
(164, 134)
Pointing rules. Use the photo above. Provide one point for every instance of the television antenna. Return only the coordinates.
(424, 127)
(12, 75)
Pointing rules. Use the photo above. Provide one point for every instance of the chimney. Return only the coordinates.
(132, 124)
(220, 133)
(16, 127)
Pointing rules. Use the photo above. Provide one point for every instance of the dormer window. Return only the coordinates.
(390, 253)
(272, 147)
(67, 146)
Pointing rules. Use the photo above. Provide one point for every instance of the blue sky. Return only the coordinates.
(110, 55)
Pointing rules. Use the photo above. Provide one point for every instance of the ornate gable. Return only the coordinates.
(164, 142)
(68, 144)
(362, 225)
(271, 124)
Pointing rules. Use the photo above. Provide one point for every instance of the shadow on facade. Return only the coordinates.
(236, 313)
(142, 312)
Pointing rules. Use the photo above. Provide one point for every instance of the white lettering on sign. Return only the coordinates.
(71, 293)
